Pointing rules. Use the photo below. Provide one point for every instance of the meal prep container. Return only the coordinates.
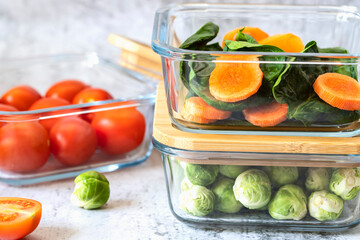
(180, 149)
(129, 89)
(187, 72)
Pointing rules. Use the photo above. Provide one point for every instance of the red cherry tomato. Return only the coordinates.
(18, 217)
(21, 97)
(119, 131)
(49, 103)
(72, 141)
(6, 108)
(66, 89)
(91, 95)
(24, 146)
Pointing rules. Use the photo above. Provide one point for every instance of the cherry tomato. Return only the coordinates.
(21, 97)
(66, 89)
(72, 141)
(18, 217)
(49, 103)
(91, 95)
(119, 131)
(6, 108)
(24, 146)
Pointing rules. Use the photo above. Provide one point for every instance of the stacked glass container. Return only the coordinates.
(299, 174)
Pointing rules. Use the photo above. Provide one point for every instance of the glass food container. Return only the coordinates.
(244, 181)
(106, 145)
(263, 81)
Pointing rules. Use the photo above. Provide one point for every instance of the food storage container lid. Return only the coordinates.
(164, 133)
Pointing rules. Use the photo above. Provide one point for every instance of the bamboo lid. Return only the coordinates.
(165, 133)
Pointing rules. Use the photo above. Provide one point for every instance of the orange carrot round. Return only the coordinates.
(233, 82)
(267, 115)
(196, 106)
(338, 90)
(193, 118)
(287, 42)
(255, 32)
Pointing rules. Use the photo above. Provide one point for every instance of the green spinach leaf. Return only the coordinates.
(198, 41)
(294, 84)
(204, 35)
(316, 111)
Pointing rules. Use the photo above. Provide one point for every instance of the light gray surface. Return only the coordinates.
(138, 207)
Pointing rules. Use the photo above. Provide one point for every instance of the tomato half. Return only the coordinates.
(21, 97)
(24, 146)
(66, 89)
(49, 103)
(119, 131)
(18, 217)
(6, 108)
(72, 141)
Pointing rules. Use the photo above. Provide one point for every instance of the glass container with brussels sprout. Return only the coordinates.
(270, 193)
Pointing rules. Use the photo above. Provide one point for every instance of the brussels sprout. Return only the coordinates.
(325, 206)
(186, 185)
(345, 182)
(198, 201)
(91, 190)
(317, 179)
(232, 171)
(199, 174)
(253, 189)
(288, 203)
(224, 196)
(282, 175)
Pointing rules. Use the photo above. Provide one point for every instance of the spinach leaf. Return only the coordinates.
(349, 70)
(270, 70)
(204, 35)
(294, 84)
(316, 111)
(333, 50)
(199, 83)
(198, 41)
(244, 37)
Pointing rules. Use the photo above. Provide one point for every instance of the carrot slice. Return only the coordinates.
(338, 90)
(267, 115)
(196, 106)
(255, 32)
(233, 82)
(287, 42)
(193, 118)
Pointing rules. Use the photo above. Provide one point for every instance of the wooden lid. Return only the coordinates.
(165, 133)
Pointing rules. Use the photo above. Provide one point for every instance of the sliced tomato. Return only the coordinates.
(18, 217)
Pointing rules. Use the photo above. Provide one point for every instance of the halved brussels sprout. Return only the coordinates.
(91, 190)
(232, 171)
(288, 203)
(198, 201)
(325, 206)
(253, 188)
(317, 179)
(280, 176)
(224, 196)
(199, 174)
(345, 182)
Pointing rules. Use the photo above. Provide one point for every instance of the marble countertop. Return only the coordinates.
(138, 206)
(137, 209)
